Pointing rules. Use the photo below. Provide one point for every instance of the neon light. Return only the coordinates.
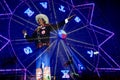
(44, 4)
(29, 12)
(91, 53)
(28, 50)
(77, 19)
(96, 52)
(65, 74)
(61, 8)
(80, 67)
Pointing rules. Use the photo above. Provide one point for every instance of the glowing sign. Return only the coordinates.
(65, 74)
(96, 52)
(29, 12)
(91, 52)
(77, 19)
(44, 4)
(28, 50)
(61, 8)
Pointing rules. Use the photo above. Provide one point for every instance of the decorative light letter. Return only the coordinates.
(28, 50)
(91, 53)
(44, 4)
(61, 8)
(77, 19)
(65, 74)
(29, 12)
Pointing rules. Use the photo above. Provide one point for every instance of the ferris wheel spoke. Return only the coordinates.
(106, 60)
(30, 72)
(72, 2)
(56, 61)
(67, 53)
(77, 29)
(53, 33)
(22, 24)
(41, 54)
(22, 19)
(77, 60)
(35, 6)
(81, 46)
(81, 42)
(54, 12)
(82, 57)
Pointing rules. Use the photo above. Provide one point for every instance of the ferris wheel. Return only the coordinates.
(75, 47)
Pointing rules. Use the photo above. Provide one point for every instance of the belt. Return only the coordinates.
(39, 45)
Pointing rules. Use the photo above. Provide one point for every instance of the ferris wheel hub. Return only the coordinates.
(62, 34)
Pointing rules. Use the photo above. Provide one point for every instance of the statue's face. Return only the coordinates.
(41, 21)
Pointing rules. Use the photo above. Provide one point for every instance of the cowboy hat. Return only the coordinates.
(42, 16)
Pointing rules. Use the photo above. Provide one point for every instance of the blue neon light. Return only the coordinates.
(80, 67)
(29, 12)
(65, 74)
(96, 52)
(91, 53)
(61, 8)
(44, 4)
(77, 19)
(28, 50)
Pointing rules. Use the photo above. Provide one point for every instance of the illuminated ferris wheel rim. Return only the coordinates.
(11, 18)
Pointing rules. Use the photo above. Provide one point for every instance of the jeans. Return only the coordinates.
(42, 57)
